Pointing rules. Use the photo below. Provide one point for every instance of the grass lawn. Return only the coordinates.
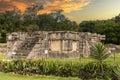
(8, 76)
(110, 60)
(114, 61)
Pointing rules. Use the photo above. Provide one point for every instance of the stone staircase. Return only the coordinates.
(22, 47)
(38, 49)
(27, 46)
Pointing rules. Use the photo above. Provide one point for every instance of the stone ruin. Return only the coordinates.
(53, 44)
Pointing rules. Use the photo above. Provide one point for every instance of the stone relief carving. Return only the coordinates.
(60, 44)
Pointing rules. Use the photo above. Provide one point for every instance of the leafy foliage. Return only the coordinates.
(42, 67)
(99, 69)
(99, 52)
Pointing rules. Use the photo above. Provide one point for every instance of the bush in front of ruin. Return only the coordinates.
(98, 68)
(41, 67)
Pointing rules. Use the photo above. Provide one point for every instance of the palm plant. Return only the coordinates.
(98, 69)
(99, 52)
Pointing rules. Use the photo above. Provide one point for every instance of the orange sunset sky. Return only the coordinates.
(77, 10)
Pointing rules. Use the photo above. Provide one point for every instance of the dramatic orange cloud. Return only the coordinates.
(20, 5)
(65, 5)
(11, 4)
(48, 5)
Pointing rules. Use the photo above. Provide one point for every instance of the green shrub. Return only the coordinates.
(93, 70)
(42, 67)
(99, 69)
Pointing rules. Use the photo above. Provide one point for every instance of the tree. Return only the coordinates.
(32, 28)
(87, 26)
(58, 16)
(3, 36)
(46, 22)
(117, 18)
(32, 11)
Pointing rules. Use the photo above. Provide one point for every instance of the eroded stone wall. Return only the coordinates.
(59, 44)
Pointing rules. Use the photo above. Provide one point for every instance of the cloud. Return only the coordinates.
(48, 5)
(4, 5)
(20, 5)
(11, 4)
(66, 5)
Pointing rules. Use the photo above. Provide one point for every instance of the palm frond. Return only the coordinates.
(99, 52)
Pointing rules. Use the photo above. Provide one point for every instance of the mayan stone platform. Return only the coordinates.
(54, 44)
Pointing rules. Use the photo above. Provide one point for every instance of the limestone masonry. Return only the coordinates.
(56, 44)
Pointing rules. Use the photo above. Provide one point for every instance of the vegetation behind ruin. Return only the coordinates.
(14, 21)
